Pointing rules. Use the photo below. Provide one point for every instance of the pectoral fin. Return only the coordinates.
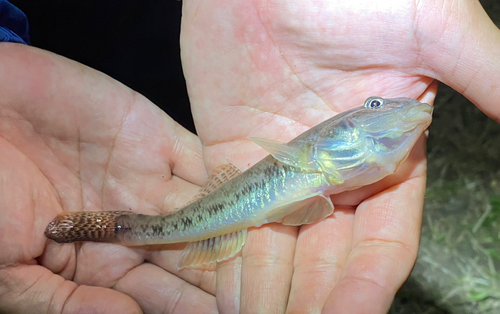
(287, 154)
(310, 210)
(300, 154)
(212, 250)
(305, 211)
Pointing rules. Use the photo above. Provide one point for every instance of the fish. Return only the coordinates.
(292, 185)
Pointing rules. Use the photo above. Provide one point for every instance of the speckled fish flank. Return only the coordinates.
(291, 186)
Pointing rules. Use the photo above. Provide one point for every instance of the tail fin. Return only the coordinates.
(84, 226)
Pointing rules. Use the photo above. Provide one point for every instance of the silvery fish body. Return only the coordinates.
(291, 185)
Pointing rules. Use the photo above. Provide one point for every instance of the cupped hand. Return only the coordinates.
(273, 69)
(74, 139)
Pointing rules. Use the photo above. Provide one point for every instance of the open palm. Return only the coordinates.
(74, 139)
(276, 68)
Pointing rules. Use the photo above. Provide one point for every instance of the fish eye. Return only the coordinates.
(374, 103)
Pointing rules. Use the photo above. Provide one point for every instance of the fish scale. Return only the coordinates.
(291, 186)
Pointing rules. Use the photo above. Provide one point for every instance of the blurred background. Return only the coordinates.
(137, 43)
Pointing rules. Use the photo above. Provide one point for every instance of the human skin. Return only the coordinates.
(282, 67)
(74, 139)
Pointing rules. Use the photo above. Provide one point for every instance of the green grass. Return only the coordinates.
(457, 270)
(458, 266)
(459, 257)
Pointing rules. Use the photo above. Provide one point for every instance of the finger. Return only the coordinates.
(267, 266)
(187, 155)
(414, 166)
(229, 285)
(154, 150)
(321, 254)
(178, 192)
(429, 94)
(167, 257)
(466, 62)
(164, 292)
(113, 148)
(384, 250)
(34, 289)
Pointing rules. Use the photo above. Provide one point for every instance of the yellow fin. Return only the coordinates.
(305, 211)
(219, 176)
(291, 155)
(212, 250)
(299, 154)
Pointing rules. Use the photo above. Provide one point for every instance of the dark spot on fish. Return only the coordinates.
(268, 172)
(215, 209)
(186, 221)
(157, 229)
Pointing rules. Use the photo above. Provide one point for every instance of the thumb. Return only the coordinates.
(466, 54)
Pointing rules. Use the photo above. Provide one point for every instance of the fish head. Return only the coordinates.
(365, 144)
(390, 127)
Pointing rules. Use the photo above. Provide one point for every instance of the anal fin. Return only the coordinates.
(212, 250)
(305, 211)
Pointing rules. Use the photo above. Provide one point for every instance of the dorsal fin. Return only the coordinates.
(219, 176)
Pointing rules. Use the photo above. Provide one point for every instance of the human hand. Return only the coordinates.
(74, 139)
(274, 69)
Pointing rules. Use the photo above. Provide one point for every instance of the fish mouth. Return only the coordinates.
(420, 113)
